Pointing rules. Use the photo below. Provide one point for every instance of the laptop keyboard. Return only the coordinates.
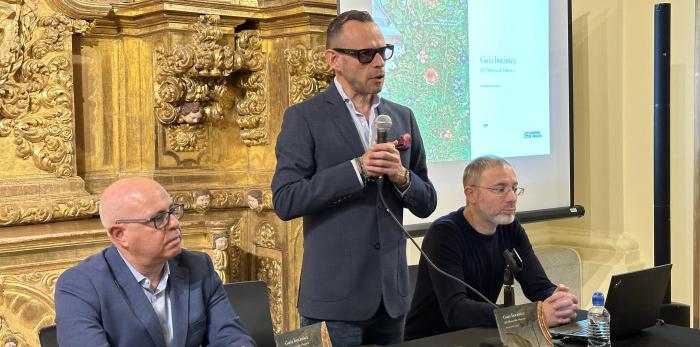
(580, 328)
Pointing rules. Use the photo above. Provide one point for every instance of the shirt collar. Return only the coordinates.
(145, 282)
(376, 99)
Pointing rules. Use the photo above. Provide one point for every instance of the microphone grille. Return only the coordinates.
(382, 122)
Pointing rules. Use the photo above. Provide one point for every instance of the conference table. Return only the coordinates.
(666, 335)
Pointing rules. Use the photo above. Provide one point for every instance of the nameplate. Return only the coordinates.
(523, 325)
(315, 335)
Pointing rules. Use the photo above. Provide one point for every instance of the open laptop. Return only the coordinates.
(634, 301)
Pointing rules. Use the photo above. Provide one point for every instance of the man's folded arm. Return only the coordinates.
(458, 310)
(420, 198)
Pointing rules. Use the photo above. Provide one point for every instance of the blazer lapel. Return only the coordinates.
(343, 120)
(135, 297)
(179, 293)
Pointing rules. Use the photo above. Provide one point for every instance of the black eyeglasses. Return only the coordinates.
(366, 55)
(161, 220)
(503, 190)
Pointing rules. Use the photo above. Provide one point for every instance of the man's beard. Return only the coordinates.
(502, 219)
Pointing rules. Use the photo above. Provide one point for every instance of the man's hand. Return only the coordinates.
(384, 159)
(560, 307)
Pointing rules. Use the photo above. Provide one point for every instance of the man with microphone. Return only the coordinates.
(330, 171)
(469, 244)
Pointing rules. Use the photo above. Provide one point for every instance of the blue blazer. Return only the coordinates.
(354, 253)
(99, 303)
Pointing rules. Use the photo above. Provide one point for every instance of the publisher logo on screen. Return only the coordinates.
(532, 134)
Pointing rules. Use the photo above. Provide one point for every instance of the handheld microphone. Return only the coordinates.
(382, 123)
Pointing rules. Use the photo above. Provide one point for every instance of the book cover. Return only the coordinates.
(315, 335)
(523, 326)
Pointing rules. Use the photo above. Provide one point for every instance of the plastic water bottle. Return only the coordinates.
(598, 323)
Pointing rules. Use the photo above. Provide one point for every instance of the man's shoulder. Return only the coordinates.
(447, 223)
(395, 106)
(316, 100)
(86, 269)
(192, 259)
(513, 232)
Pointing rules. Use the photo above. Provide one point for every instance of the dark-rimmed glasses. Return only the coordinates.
(161, 220)
(503, 190)
(366, 55)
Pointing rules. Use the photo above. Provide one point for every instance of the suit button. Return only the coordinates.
(377, 245)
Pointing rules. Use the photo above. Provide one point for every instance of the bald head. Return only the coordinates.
(129, 198)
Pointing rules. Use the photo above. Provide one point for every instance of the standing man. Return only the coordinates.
(144, 290)
(354, 273)
(469, 245)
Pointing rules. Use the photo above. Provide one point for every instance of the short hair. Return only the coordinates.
(336, 25)
(472, 173)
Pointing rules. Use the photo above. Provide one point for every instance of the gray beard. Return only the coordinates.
(502, 220)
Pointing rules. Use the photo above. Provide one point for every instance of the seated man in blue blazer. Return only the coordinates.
(144, 290)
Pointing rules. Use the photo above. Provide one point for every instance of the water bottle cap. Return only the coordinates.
(598, 299)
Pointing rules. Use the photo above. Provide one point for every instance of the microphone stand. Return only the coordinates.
(513, 265)
(508, 295)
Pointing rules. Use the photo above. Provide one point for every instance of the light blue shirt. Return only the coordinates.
(159, 299)
(365, 127)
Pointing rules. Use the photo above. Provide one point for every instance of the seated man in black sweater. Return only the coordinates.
(469, 244)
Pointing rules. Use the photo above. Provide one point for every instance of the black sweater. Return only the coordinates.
(441, 304)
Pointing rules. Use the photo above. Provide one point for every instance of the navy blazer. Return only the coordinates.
(99, 303)
(354, 253)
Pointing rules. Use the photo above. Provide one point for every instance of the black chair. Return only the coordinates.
(250, 300)
(47, 336)
(412, 278)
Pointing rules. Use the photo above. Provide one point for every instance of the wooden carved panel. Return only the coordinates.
(29, 299)
(36, 87)
(310, 74)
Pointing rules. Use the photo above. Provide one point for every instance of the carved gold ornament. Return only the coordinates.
(220, 198)
(186, 138)
(220, 248)
(16, 214)
(252, 109)
(235, 252)
(27, 298)
(270, 271)
(197, 72)
(36, 88)
(267, 236)
(193, 72)
(309, 72)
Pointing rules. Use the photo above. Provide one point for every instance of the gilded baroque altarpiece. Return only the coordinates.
(190, 93)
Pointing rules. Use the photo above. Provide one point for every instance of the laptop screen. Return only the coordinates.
(634, 301)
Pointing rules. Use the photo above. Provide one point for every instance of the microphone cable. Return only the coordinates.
(380, 184)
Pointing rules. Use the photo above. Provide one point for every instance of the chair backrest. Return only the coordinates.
(412, 278)
(251, 302)
(47, 336)
(562, 265)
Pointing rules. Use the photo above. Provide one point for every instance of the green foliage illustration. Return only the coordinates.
(430, 70)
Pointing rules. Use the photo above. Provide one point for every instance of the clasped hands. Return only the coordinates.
(560, 307)
(384, 159)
